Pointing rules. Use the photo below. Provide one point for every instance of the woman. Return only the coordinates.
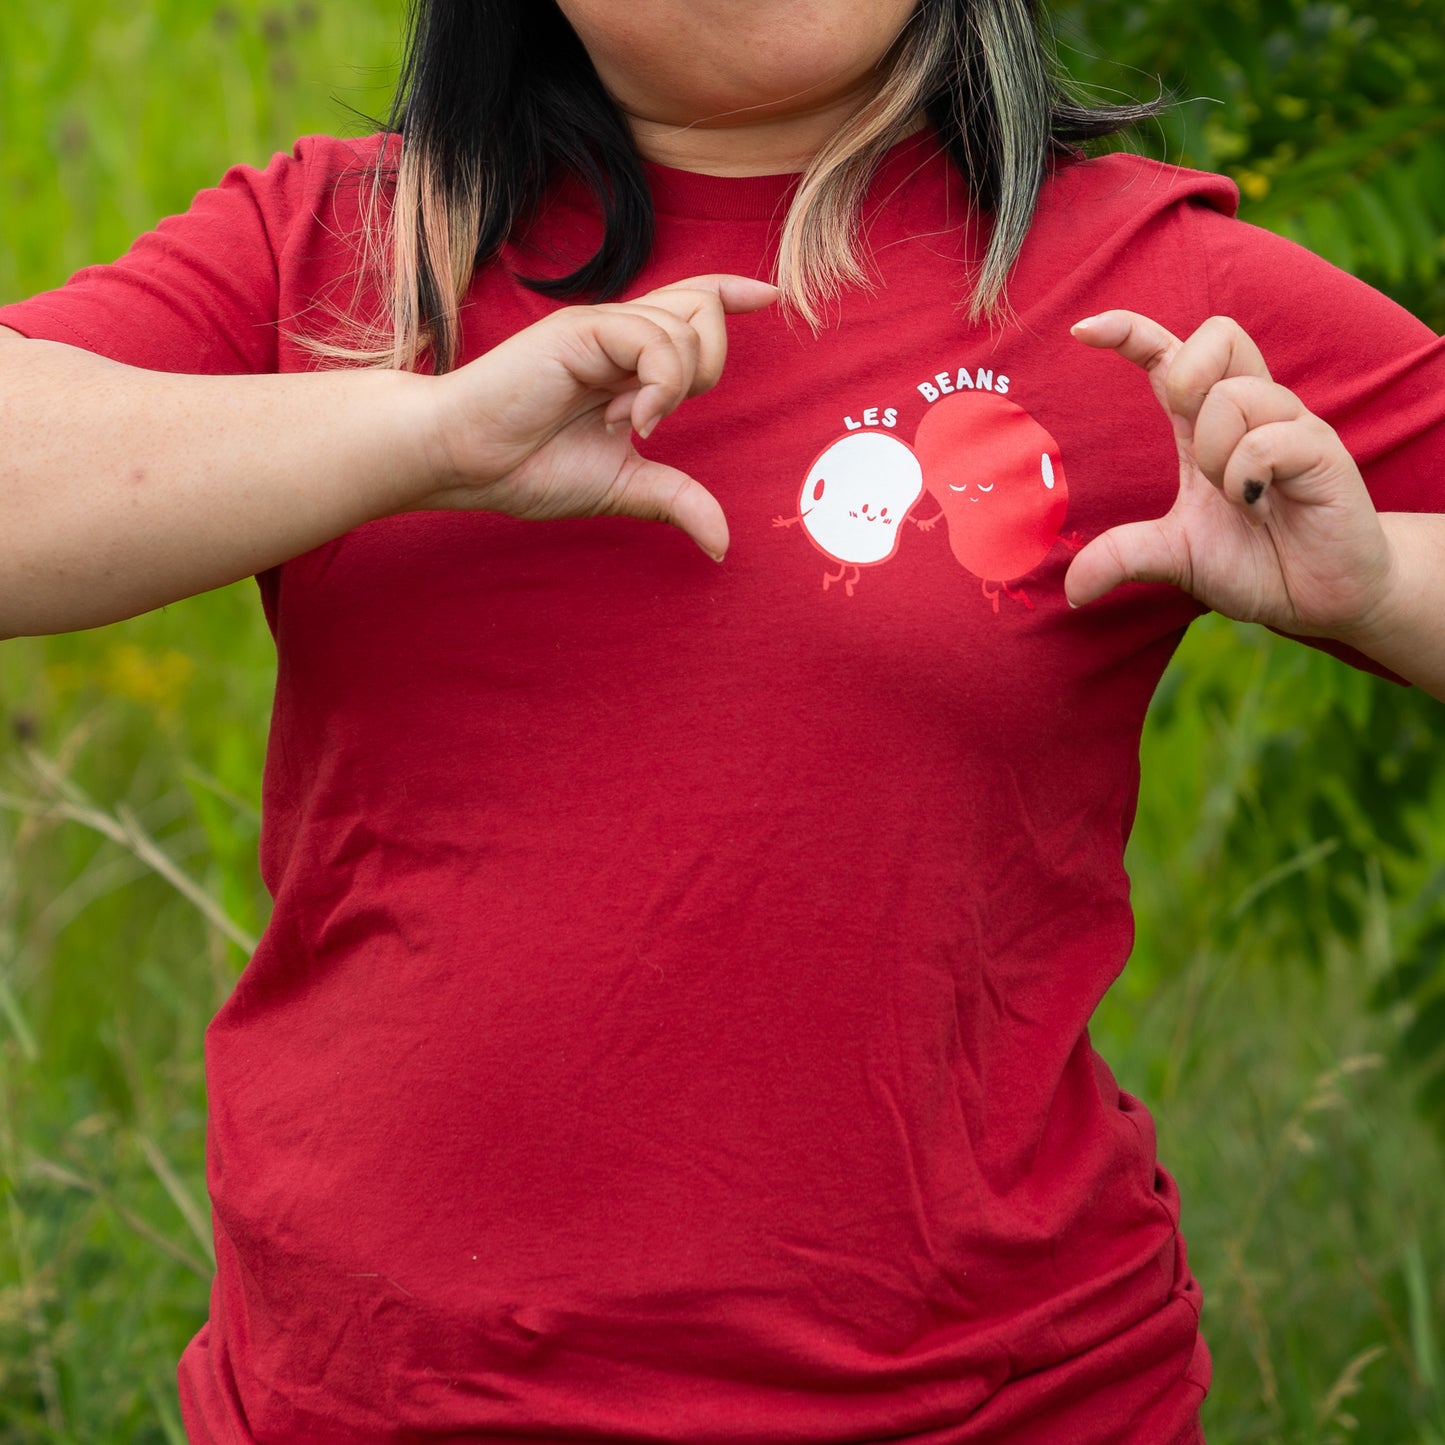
(673, 1019)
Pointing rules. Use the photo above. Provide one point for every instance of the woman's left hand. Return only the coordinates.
(1272, 523)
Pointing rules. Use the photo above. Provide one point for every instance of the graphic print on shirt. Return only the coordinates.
(996, 474)
(998, 477)
(854, 500)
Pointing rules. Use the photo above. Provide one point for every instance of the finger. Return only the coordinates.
(661, 493)
(619, 410)
(692, 315)
(1139, 339)
(686, 336)
(736, 294)
(702, 312)
(617, 343)
(665, 379)
(1287, 453)
(1181, 372)
(705, 302)
(1219, 350)
(1136, 338)
(1231, 410)
(1155, 551)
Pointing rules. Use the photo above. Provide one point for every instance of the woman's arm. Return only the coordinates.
(122, 490)
(1406, 630)
(1272, 522)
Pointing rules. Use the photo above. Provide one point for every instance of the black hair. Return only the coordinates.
(497, 97)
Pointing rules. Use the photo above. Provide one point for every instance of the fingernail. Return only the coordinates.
(645, 430)
(1253, 491)
(717, 556)
(1080, 325)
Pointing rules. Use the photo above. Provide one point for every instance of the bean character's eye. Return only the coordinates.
(983, 488)
(818, 489)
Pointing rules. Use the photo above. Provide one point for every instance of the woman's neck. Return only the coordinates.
(738, 87)
(741, 143)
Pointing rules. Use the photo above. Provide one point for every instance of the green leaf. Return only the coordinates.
(1380, 235)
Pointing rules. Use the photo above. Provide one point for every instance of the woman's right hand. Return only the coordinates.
(541, 426)
(161, 485)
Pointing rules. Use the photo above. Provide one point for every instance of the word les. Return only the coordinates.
(872, 417)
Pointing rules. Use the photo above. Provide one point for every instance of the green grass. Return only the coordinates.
(1311, 1178)
(1287, 866)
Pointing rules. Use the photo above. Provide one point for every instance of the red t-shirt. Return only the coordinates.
(673, 1021)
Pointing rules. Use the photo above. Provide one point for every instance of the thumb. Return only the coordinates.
(1153, 551)
(659, 493)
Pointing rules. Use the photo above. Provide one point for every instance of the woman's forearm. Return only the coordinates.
(122, 490)
(1406, 633)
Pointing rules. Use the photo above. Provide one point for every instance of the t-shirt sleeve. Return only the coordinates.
(1367, 366)
(200, 293)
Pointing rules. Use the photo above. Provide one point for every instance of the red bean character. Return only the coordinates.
(999, 478)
